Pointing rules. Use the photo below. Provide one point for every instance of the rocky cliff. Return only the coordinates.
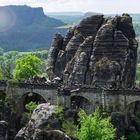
(99, 52)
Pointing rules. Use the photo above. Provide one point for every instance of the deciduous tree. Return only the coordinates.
(27, 67)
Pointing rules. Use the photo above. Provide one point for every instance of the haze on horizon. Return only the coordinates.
(100, 6)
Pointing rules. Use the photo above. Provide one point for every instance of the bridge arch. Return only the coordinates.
(133, 104)
(28, 97)
(133, 114)
(132, 101)
(47, 93)
(83, 102)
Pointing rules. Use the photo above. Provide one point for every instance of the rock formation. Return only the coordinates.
(98, 52)
(43, 116)
(52, 135)
(3, 130)
(39, 117)
(118, 120)
(53, 53)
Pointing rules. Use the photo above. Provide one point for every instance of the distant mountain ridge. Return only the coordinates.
(26, 15)
(24, 28)
(81, 15)
(70, 17)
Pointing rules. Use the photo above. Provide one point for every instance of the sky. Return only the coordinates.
(100, 6)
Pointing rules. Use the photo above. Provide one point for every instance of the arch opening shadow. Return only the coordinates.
(2, 95)
(79, 102)
(2, 104)
(133, 115)
(27, 98)
(32, 97)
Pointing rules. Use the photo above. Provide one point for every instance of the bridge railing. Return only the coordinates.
(35, 86)
(123, 92)
(29, 85)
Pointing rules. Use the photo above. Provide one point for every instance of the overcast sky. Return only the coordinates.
(102, 6)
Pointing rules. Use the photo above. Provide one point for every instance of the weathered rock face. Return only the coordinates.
(39, 117)
(99, 51)
(134, 117)
(106, 71)
(42, 117)
(3, 130)
(53, 53)
(118, 120)
(90, 25)
(52, 135)
(81, 60)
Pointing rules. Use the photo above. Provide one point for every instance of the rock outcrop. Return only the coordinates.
(3, 130)
(53, 53)
(118, 120)
(99, 52)
(52, 135)
(39, 117)
(43, 125)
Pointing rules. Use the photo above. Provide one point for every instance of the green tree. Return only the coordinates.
(1, 74)
(31, 106)
(94, 127)
(1, 51)
(7, 64)
(6, 69)
(27, 67)
(27, 115)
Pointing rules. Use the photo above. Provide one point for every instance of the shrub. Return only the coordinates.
(94, 127)
(59, 113)
(31, 106)
(27, 115)
(134, 136)
(69, 127)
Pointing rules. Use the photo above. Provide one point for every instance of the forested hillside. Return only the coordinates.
(23, 28)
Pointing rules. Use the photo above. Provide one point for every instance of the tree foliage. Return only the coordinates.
(94, 127)
(134, 136)
(69, 127)
(27, 67)
(27, 114)
(7, 64)
(31, 106)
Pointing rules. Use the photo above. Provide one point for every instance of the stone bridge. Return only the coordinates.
(110, 100)
(85, 97)
(20, 90)
(47, 92)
